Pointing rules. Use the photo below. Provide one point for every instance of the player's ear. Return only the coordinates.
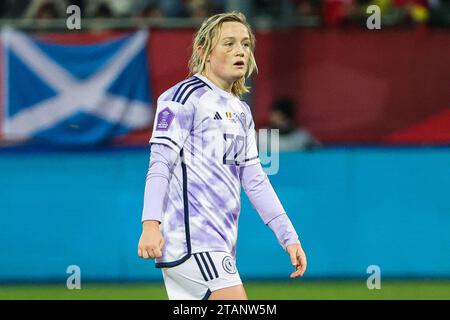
(200, 52)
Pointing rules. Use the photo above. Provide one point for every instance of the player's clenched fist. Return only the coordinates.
(151, 241)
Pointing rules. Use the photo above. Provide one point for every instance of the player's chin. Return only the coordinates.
(238, 74)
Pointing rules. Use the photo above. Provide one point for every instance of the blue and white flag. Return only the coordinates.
(74, 94)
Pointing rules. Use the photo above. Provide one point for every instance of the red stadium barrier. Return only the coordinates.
(359, 86)
(351, 85)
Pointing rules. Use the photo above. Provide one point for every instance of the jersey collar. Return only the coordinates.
(214, 87)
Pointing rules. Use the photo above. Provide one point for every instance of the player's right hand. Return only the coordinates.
(151, 241)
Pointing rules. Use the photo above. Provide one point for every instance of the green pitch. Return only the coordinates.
(292, 290)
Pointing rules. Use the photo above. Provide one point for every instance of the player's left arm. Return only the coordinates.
(261, 194)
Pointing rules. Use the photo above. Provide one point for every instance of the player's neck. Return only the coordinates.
(220, 83)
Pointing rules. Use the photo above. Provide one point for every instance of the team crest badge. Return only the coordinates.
(228, 265)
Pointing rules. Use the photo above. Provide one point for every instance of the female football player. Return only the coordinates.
(203, 150)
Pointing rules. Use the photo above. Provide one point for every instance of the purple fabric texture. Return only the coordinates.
(261, 194)
(214, 132)
(284, 230)
(254, 182)
(162, 160)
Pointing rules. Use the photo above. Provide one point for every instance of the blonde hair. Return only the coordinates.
(207, 37)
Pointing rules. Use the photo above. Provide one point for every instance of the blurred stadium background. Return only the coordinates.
(365, 175)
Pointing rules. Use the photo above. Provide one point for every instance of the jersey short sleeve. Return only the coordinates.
(173, 123)
(251, 150)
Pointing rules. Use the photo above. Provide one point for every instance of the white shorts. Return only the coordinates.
(200, 275)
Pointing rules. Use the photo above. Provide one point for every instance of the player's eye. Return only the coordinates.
(247, 45)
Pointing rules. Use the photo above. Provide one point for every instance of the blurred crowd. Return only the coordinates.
(330, 12)
(53, 9)
(394, 12)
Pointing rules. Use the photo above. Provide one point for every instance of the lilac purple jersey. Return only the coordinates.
(213, 132)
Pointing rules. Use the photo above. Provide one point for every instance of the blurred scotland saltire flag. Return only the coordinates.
(74, 94)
